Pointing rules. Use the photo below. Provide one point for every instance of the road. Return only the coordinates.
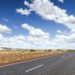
(61, 64)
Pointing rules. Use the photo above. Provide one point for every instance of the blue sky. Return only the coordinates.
(37, 24)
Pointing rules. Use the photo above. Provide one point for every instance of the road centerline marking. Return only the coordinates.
(34, 68)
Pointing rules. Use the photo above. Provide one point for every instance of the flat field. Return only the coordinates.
(13, 56)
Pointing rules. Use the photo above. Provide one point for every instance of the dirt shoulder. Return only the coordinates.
(13, 56)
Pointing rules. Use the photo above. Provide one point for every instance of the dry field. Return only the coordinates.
(12, 56)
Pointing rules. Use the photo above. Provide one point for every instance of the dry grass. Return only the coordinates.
(11, 56)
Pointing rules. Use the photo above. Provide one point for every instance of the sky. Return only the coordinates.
(37, 24)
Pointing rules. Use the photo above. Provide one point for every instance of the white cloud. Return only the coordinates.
(1, 36)
(35, 39)
(38, 39)
(47, 10)
(61, 1)
(62, 32)
(5, 29)
(34, 31)
(26, 3)
(28, 27)
(13, 42)
(23, 11)
(64, 41)
(37, 36)
(59, 31)
(38, 32)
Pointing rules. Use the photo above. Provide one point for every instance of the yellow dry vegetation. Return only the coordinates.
(12, 56)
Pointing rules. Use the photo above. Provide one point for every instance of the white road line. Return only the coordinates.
(34, 68)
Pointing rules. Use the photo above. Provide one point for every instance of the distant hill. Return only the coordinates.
(2, 48)
(5, 48)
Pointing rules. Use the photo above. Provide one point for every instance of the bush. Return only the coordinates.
(32, 50)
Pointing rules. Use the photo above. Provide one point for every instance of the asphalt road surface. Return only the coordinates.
(61, 64)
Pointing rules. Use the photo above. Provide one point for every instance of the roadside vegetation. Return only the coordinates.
(12, 56)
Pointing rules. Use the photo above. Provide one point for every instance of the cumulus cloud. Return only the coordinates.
(34, 31)
(64, 41)
(13, 42)
(37, 36)
(35, 39)
(28, 27)
(5, 29)
(59, 31)
(23, 11)
(47, 10)
(38, 39)
(62, 32)
(1, 36)
(61, 1)
(26, 3)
